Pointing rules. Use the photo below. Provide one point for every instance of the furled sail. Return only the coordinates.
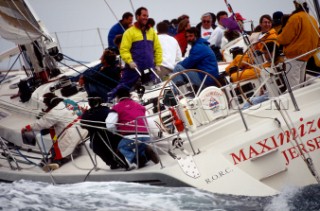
(17, 22)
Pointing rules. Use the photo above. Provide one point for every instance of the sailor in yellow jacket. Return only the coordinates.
(140, 49)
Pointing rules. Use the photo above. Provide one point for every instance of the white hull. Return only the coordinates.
(254, 152)
(228, 159)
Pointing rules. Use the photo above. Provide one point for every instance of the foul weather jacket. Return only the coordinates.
(201, 57)
(63, 122)
(299, 36)
(114, 31)
(141, 47)
(129, 116)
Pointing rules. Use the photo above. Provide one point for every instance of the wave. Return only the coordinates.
(117, 196)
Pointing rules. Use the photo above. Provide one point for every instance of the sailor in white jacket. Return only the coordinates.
(61, 119)
(171, 52)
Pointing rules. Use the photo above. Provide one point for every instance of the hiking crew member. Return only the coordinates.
(101, 79)
(60, 119)
(103, 142)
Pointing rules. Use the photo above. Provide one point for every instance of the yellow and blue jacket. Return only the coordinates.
(142, 47)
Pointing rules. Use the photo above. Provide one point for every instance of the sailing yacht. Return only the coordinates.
(221, 147)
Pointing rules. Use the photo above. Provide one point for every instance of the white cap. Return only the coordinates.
(300, 1)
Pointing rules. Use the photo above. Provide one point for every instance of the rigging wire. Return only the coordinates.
(89, 68)
(310, 19)
(313, 6)
(115, 16)
(132, 6)
(244, 35)
(303, 154)
(15, 61)
(48, 115)
(31, 24)
(48, 61)
(90, 77)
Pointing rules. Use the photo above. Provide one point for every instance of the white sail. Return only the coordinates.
(17, 23)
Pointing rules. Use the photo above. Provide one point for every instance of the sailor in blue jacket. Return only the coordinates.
(119, 28)
(201, 57)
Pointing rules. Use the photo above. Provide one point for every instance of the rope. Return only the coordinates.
(75, 165)
(115, 156)
(24, 157)
(89, 68)
(310, 19)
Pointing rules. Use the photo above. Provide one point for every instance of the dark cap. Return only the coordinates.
(299, 1)
(277, 15)
(94, 101)
(122, 92)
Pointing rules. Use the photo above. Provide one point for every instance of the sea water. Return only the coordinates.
(117, 196)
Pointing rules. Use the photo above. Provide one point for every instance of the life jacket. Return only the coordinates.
(57, 151)
(72, 106)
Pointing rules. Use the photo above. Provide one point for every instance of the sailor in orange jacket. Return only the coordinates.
(299, 36)
(247, 72)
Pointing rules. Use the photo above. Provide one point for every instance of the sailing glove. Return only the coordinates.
(26, 129)
(157, 68)
(133, 65)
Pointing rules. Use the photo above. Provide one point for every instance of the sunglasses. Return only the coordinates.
(205, 21)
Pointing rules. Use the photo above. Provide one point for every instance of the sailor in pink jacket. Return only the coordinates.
(127, 118)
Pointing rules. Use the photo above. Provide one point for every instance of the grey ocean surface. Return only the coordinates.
(117, 196)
